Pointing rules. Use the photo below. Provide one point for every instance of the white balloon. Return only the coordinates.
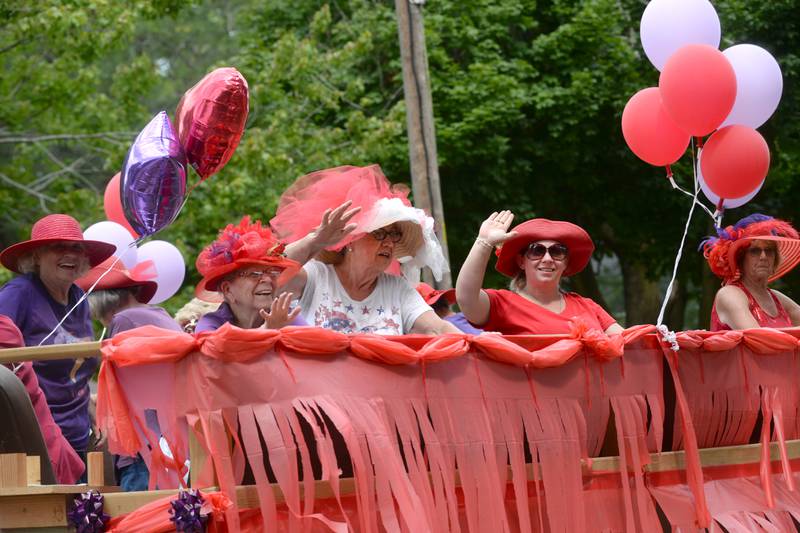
(170, 267)
(668, 25)
(729, 203)
(115, 234)
(759, 85)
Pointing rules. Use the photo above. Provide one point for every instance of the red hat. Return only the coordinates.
(722, 251)
(10, 335)
(431, 295)
(237, 247)
(52, 229)
(118, 277)
(574, 237)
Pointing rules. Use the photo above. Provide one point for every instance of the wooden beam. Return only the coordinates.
(34, 469)
(13, 468)
(95, 469)
(50, 353)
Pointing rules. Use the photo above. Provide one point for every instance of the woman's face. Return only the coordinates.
(251, 287)
(62, 263)
(377, 248)
(544, 262)
(759, 260)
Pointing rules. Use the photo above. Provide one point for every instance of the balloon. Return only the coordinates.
(668, 25)
(759, 85)
(735, 161)
(115, 234)
(698, 88)
(650, 132)
(153, 177)
(728, 203)
(210, 119)
(112, 205)
(170, 267)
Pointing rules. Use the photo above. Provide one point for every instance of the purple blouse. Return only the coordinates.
(65, 382)
(214, 320)
(145, 315)
(461, 322)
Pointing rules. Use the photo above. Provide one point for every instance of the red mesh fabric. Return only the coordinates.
(301, 206)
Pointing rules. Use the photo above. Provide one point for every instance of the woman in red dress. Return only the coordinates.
(536, 255)
(748, 256)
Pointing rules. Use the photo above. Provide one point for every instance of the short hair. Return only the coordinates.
(194, 310)
(110, 301)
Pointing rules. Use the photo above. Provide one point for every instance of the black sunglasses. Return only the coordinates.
(536, 250)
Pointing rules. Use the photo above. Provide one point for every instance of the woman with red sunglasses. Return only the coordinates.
(536, 255)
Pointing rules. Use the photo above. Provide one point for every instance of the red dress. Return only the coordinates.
(512, 314)
(781, 320)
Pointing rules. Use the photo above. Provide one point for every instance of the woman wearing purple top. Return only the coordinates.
(441, 302)
(244, 268)
(119, 302)
(37, 300)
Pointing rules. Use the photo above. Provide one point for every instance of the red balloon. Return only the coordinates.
(650, 132)
(210, 119)
(112, 205)
(735, 161)
(698, 88)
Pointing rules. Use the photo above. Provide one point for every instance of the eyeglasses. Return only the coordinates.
(756, 251)
(558, 252)
(381, 234)
(257, 275)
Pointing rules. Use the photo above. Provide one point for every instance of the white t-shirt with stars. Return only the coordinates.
(391, 308)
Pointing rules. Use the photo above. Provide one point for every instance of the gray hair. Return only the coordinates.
(29, 263)
(109, 302)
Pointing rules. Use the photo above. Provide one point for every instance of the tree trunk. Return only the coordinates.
(676, 307)
(642, 295)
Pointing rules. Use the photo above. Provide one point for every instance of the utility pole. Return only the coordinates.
(419, 120)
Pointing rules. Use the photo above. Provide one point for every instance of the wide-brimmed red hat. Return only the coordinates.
(575, 238)
(722, 251)
(142, 276)
(50, 230)
(431, 295)
(248, 244)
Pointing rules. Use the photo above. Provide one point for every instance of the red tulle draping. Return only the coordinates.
(438, 433)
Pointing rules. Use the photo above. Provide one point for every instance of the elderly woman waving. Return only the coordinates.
(348, 287)
(39, 301)
(748, 256)
(536, 255)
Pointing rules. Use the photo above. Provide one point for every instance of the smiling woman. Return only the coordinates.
(49, 264)
(536, 255)
(244, 268)
(363, 277)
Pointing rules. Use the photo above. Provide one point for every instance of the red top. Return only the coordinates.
(512, 314)
(763, 318)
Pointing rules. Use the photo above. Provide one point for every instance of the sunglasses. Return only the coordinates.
(536, 251)
(381, 234)
(756, 251)
(257, 275)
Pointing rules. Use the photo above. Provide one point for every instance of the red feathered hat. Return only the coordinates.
(574, 237)
(236, 247)
(53, 229)
(723, 251)
(142, 276)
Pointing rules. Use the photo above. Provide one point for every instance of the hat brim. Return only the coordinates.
(788, 252)
(408, 246)
(208, 288)
(435, 296)
(96, 251)
(115, 279)
(574, 237)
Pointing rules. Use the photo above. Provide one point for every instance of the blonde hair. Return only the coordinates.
(194, 310)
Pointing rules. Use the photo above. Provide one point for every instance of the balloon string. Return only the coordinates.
(683, 242)
(87, 293)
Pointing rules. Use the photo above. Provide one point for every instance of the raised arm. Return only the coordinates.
(472, 299)
(733, 308)
(335, 226)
